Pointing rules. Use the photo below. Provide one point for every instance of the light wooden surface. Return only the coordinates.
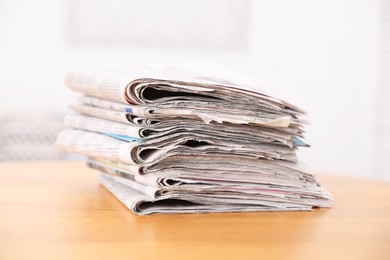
(59, 211)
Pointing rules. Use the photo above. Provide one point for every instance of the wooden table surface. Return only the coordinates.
(58, 210)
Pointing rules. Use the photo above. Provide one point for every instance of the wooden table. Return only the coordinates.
(58, 210)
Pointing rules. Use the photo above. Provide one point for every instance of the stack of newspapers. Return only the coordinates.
(171, 139)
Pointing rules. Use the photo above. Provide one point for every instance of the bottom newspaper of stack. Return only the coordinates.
(210, 168)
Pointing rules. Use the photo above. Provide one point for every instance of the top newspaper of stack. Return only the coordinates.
(216, 95)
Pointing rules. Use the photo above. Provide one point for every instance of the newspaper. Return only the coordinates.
(211, 170)
(168, 139)
(159, 184)
(143, 204)
(129, 149)
(173, 92)
(174, 125)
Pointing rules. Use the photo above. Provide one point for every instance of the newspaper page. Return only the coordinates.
(95, 145)
(101, 125)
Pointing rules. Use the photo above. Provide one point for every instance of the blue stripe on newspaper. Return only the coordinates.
(299, 141)
(125, 137)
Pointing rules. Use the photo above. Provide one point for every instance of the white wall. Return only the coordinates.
(322, 54)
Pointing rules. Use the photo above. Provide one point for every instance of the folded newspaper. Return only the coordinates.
(171, 139)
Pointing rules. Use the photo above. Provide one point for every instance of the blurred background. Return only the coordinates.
(331, 57)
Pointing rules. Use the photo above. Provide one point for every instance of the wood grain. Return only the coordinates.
(58, 210)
